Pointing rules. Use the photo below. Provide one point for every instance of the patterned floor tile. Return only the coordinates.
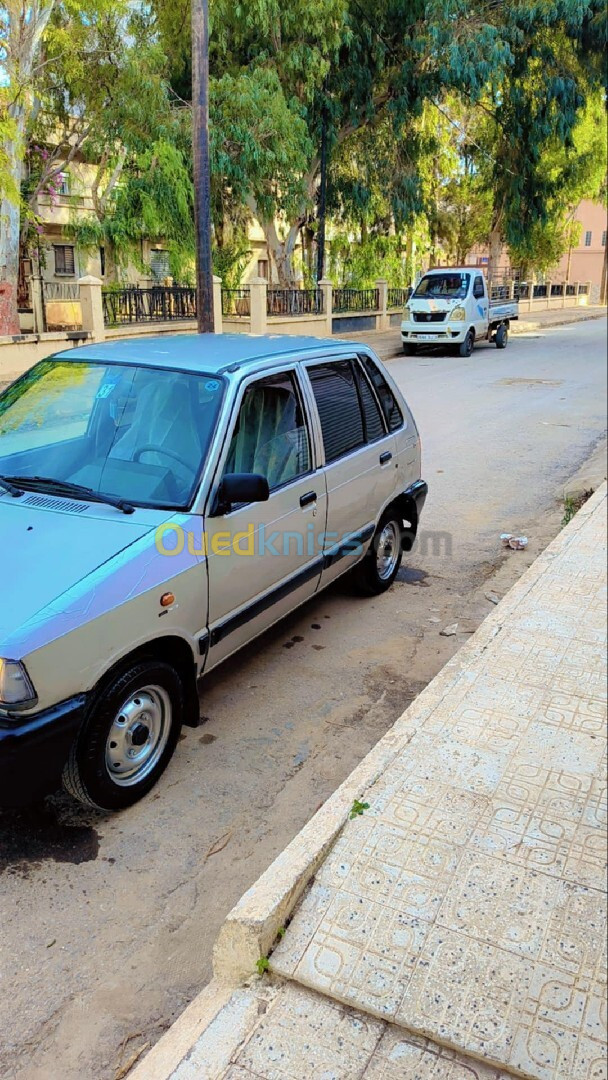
(500, 904)
(467, 994)
(547, 820)
(304, 1035)
(401, 1057)
(362, 954)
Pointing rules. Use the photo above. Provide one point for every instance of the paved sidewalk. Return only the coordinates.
(457, 928)
(387, 343)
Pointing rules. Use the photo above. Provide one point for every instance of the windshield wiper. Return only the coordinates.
(65, 487)
(11, 488)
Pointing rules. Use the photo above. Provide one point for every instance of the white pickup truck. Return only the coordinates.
(452, 307)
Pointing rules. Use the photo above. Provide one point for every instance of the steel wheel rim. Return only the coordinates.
(387, 550)
(138, 735)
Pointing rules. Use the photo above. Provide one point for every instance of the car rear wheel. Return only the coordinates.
(128, 737)
(501, 336)
(380, 566)
(466, 347)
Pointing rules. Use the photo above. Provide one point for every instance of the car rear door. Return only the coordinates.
(359, 455)
(262, 558)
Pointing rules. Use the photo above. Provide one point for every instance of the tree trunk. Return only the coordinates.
(24, 27)
(282, 251)
(495, 253)
(9, 246)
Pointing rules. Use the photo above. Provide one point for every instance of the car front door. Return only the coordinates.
(360, 459)
(263, 559)
(480, 307)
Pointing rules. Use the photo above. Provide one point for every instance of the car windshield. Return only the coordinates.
(137, 433)
(448, 286)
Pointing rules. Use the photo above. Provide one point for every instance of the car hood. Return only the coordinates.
(433, 305)
(45, 552)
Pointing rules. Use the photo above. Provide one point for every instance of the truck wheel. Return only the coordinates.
(128, 737)
(501, 336)
(466, 347)
(380, 566)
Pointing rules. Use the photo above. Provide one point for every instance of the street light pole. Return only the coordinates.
(202, 172)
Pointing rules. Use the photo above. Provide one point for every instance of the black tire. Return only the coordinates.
(466, 347)
(501, 336)
(87, 775)
(410, 350)
(367, 578)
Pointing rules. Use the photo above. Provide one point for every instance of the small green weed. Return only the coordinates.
(358, 808)
(263, 964)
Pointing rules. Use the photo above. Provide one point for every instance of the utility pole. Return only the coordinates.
(322, 192)
(202, 170)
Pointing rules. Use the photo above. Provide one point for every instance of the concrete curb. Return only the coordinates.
(164, 1058)
(251, 928)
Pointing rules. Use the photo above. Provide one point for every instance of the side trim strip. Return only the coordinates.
(347, 547)
(259, 606)
(219, 633)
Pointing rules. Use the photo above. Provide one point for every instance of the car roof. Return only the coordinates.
(210, 353)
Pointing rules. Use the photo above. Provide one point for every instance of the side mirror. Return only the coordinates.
(240, 488)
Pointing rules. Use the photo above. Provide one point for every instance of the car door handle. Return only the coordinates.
(386, 457)
(308, 498)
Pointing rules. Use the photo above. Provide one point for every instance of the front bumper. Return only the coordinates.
(414, 333)
(34, 749)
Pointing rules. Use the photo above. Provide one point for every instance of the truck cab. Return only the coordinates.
(451, 306)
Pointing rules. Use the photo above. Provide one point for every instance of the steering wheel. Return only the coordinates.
(167, 453)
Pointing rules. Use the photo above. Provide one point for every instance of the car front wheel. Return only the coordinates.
(466, 347)
(380, 566)
(128, 737)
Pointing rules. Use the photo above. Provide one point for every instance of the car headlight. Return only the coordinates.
(15, 686)
(458, 314)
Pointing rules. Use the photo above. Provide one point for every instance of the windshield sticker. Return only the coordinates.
(211, 385)
(105, 390)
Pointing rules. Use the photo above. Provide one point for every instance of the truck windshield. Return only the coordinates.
(448, 286)
(138, 433)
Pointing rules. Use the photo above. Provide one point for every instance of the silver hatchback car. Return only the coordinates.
(163, 502)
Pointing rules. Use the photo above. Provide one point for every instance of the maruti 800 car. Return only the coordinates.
(162, 502)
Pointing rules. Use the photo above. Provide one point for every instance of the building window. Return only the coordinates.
(64, 260)
(604, 238)
(102, 261)
(159, 264)
(588, 236)
(263, 269)
(63, 184)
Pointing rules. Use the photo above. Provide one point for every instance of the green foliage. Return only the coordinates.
(358, 808)
(263, 965)
(8, 134)
(358, 264)
(230, 261)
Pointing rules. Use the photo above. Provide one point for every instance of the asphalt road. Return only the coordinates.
(108, 922)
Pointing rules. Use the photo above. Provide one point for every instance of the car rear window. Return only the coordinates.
(337, 400)
(372, 417)
(390, 408)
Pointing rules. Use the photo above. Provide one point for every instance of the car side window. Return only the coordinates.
(338, 405)
(390, 408)
(478, 289)
(270, 436)
(373, 421)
